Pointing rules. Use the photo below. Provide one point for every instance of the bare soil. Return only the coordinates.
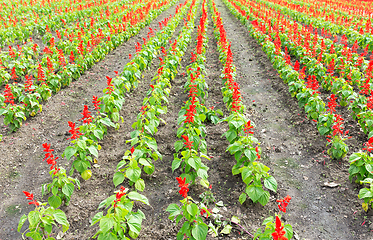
(292, 148)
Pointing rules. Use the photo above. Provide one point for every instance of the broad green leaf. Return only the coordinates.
(365, 193)
(33, 218)
(264, 198)
(138, 197)
(199, 231)
(192, 209)
(133, 173)
(54, 201)
(21, 222)
(270, 183)
(242, 198)
(140, 185)
(118, 178)
(34, 235)
(174, 210)
(68, 189)
(69, 152)
(97, 218)
(254, 192)
(106, 224)
(93, 150)
(60, 217)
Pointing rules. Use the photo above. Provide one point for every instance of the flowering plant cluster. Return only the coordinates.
(144, 149)
(120, 220)
(243, 145)
(65, 57)
(193, 147)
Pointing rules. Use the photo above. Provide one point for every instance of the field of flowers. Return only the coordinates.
(186, 119)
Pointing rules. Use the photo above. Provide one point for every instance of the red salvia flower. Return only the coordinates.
(247, 128)
(332, 104)
(41, 75)
(369, 145)
(8, 94)
(30, 196)
(50, 65)
(279, 233)
(50, 157)
(87, 118)
(14, 75)
(28, 83)
(119, 195)
(96, 103)
(187, 143)
(12, 54)
(74, 131)
(110, 85)
(257, 152)
(190, 112)
(183, 187)
(71, 57)
(283, 203)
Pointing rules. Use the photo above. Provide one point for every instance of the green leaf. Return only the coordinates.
(192, 209)
(270, 183)
(21, 222)
(133, 173)
(98, 133)
(106, 224)
(118, 178)
(174, 210)
(246, 175)
(202, 117)
(152, 144)
(68, 189)
(205, 183)
(365, 193)
(33, 218)
(93, 150)
(231, 135)
(144, 162)
(138, 197)
(97, 218)
(60, 217)
(254, 192)
(134, 224)
(264, 198)
(289, 231)
(242, 198)
(175, 164)
(140, 185)
(54, 201)
(227, 229)
(69, 152)
(178, 145)
(34, 235)
(199, 231)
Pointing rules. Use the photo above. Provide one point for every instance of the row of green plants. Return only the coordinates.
(359, 36)
(85, 139)
(82, 56)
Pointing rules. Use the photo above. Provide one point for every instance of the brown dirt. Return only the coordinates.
(291, 145)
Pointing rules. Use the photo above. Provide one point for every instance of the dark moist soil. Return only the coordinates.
(291, 144)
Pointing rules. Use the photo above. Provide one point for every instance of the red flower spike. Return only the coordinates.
(183, 187)
(87, 118)
(187, 143)
(30, 196)
(96, 103)
(279, 233)
(74, 131)
(132, 150)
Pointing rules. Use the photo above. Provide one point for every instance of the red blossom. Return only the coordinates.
(96, 103)
(49, 156)
(119, 195)
(87, 118)
(74, 131)
(283, 203)
(30, 196)
(183, 187)
(187, 143)
(279, 233)
(247, 128)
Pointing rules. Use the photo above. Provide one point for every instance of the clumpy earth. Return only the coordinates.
(291, 144)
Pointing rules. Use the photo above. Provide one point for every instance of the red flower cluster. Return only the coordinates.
(13, 73)
(283, 203)
(110, 87)
(119, 195)
(28, 83)
(96, 103)
(12, 54)
(257, 152)
(87, 118)
(279, 233)
(312, 83)
(183, 187)
(247, 128)
(187, 143)
(8, 94)
(205, 213)
(191, 111)
(74, 131)
(30, 196)
(369, 145)
(41, 75)
(50, 157)
(332, 104)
